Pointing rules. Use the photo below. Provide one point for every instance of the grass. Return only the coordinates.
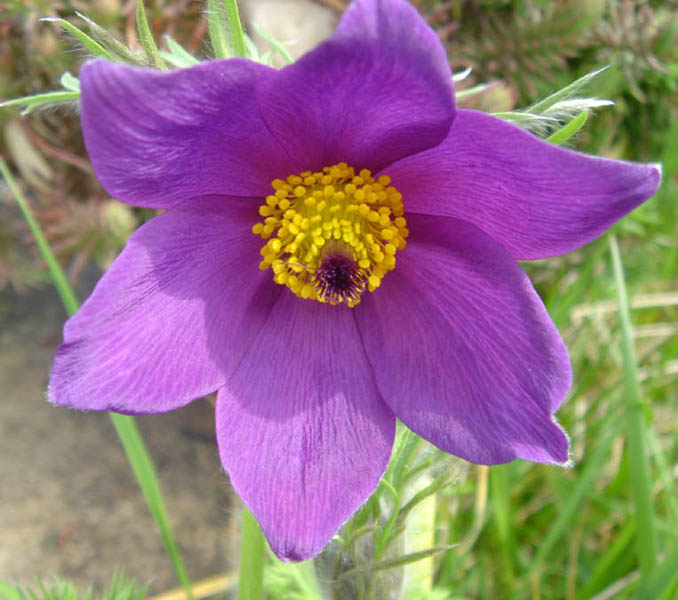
(608, 526)
(590, 531)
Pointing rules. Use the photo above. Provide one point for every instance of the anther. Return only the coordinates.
(332, 235)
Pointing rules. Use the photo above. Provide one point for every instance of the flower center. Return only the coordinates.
(332, 235)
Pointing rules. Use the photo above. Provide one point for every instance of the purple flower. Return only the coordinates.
(339, 249)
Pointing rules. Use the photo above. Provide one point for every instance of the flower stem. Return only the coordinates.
(142, 465)
(635, 426)
(500, 492)
(252, 559)
(125, 426)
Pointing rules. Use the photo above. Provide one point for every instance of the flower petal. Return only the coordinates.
(158, 138)
(378, 90)
(302, 430)
(532, 197)
(171, 317)
(463, 350)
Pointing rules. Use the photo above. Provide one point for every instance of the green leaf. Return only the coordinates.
(381, 538)
(146, 38)
(569, 129)
(472, 91)
(92, 45)
(9, 592)
(253, 52)
(457, 77)
(566, 92)
(32, 102)
(275, 44)
(177, 55)
(114, 45)
(57, 590)
(435, 486)
(70, 82)
(406, 445)
(291, 581)
(235, 28)
(121, 588)
(517, 117)
(216, 25)
(173, 61)
(394, 563)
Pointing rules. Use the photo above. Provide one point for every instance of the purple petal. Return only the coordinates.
(532, 197)
(302, 430)
(378, 90)
(157, 138)
(463, 350)
(172, 316)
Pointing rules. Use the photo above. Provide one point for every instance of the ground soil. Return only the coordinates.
(69, 503)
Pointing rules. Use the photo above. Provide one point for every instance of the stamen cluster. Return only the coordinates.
(332, 234)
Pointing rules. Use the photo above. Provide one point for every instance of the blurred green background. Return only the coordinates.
(520, 530)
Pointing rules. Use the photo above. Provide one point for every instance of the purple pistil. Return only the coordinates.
(339, 278)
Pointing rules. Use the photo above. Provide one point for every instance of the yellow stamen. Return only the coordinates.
(333, 234)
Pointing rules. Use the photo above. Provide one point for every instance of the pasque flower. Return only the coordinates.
(338, 249)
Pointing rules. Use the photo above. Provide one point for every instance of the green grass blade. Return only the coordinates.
(146, 38)
(663, 576)
(92, 45)
(569, 129)
(235, 28)
(568, 512)
(143, 468)
(126, 427)
(58, 276)
(666, 478)
(606, 563)
(637, 450)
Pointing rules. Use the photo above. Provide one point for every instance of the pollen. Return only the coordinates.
(331, 235)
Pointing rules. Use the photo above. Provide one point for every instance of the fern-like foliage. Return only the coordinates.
(121, 588)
